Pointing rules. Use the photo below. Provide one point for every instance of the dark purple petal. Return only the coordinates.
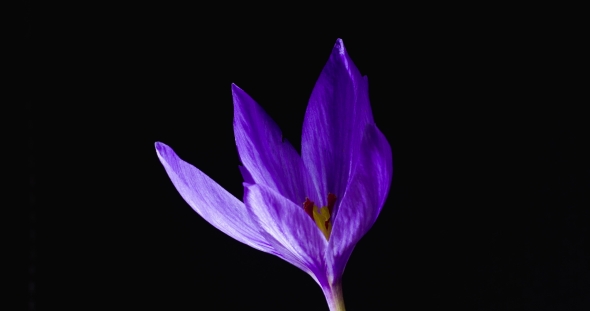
(269, 158)
(335, 119)
(211, 201)
(363, 200)
(246, 175)
(292, 231)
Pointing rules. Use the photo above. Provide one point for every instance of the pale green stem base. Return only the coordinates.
(334, 297)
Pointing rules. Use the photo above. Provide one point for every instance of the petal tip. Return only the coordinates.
(236, 89)
(340, 46)
(340, 55)
(160, 147)
(164, 152)
(237, 93)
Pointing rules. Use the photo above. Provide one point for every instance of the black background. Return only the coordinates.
(489, 205)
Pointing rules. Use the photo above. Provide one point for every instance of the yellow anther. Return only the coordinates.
(322, 220)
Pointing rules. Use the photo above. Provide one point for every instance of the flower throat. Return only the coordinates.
(321, 216)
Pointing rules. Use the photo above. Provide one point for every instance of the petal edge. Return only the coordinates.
(217, 206)
(363, 200)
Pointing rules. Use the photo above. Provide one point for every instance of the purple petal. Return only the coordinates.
(268, 158)
(211, 201)
(335, 119)
(363, 199)
(293, 232)
(246, 175)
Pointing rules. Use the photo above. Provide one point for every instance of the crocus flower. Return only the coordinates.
(309, 209)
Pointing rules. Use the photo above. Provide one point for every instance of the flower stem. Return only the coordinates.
(334, 297)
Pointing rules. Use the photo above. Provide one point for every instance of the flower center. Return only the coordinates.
(321, 216)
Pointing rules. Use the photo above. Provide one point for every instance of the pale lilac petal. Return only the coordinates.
(363, 199)
(290, 227)
(269, 158)
(211, 201)
(286, 254)
(335, 119)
